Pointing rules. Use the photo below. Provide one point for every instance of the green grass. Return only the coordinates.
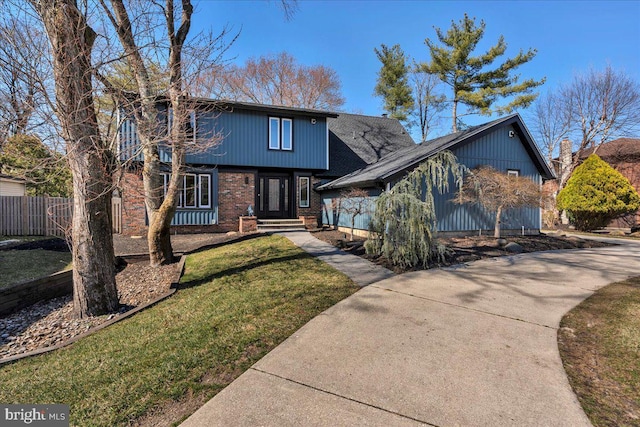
(22, 266)
(600, 349)
(238, 302)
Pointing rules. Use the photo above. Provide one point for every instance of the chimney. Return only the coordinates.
(566, 154)
(384, 114)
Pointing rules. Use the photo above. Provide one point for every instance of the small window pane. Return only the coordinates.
(274, 133)
(205, 184)
(274, 195)
(287, 137)
(189, 191)
(304, 192)
(191, 134)
(513, 172)
(286, 194)
(261, 197)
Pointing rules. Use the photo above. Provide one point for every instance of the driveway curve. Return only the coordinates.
(469, 345)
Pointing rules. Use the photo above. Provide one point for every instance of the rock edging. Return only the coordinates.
(174, 287)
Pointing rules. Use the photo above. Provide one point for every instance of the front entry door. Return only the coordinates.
(273, 196)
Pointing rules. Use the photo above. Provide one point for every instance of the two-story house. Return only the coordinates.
(267, 159)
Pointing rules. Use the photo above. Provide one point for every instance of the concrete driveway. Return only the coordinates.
(472, 345)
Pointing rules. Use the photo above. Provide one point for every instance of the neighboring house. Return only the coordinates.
(10, 186)
(504, 144)
(623, 154)
(270, 159)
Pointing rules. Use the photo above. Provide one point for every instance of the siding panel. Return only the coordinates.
(497, 150)
(245, 141)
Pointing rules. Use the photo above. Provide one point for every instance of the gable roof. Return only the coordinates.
(356, 141)
(399, 162)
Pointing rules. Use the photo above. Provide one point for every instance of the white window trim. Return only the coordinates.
(513, 172)
(195, 190)
(279, 143)
(208, 179)
(193, 121)
(198, 179)
(282, 121)
(308, 195)
(271, 124)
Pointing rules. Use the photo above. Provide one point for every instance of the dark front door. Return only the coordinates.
(274, 192)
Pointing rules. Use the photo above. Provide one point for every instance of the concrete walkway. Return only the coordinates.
(358, 269)
(471, 345)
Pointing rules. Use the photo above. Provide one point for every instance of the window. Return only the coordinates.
(190, 128)
(286, 134)
(205, 191)
(195, 191)
(303, 191)
(513, 172)
(280, 134)
(189, 190)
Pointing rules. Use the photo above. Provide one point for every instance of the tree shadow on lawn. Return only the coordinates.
(236, 270)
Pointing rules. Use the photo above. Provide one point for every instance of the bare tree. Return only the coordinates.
(496, 191)
(429, 101)
(280, 80)
(354, 202)
(72, 41)
(23, 76)
(143, 97)
(593, 108)
(552, 124)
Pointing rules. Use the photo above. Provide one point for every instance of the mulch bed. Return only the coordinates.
(462, 249)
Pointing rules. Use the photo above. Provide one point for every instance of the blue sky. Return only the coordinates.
(570, 36)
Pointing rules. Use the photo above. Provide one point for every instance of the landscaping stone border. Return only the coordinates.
(174, 287)
(21, 295)
(136, 258)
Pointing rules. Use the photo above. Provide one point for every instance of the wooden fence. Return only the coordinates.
(43, 216)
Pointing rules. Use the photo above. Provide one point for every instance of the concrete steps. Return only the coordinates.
(280, 224)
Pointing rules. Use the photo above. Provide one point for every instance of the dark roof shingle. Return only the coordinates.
(406, 158)
(356, 141)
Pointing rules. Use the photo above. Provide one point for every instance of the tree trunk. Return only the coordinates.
(159, 211)
(353, 226)
(454, 113)
(94, 290)
(496, 230)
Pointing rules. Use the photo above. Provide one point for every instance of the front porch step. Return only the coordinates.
(280, 224)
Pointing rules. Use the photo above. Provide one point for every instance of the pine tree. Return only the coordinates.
(595, 194)
(473, 81)
(393, 84)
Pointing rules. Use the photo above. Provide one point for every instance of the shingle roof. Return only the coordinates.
(356, 141)
(617, 150)
(401, 160)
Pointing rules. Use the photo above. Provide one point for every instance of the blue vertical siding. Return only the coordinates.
(501, 152)
(495, 149)
(244, 140)
(336, 217)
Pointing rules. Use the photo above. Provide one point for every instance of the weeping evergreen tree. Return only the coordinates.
(403, 224)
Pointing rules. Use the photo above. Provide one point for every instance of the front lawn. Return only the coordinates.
(18, 266)
(236, 303)
(599, 342)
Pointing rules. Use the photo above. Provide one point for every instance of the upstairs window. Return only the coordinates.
(513, 172)
(280, 134)
(190, 128)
